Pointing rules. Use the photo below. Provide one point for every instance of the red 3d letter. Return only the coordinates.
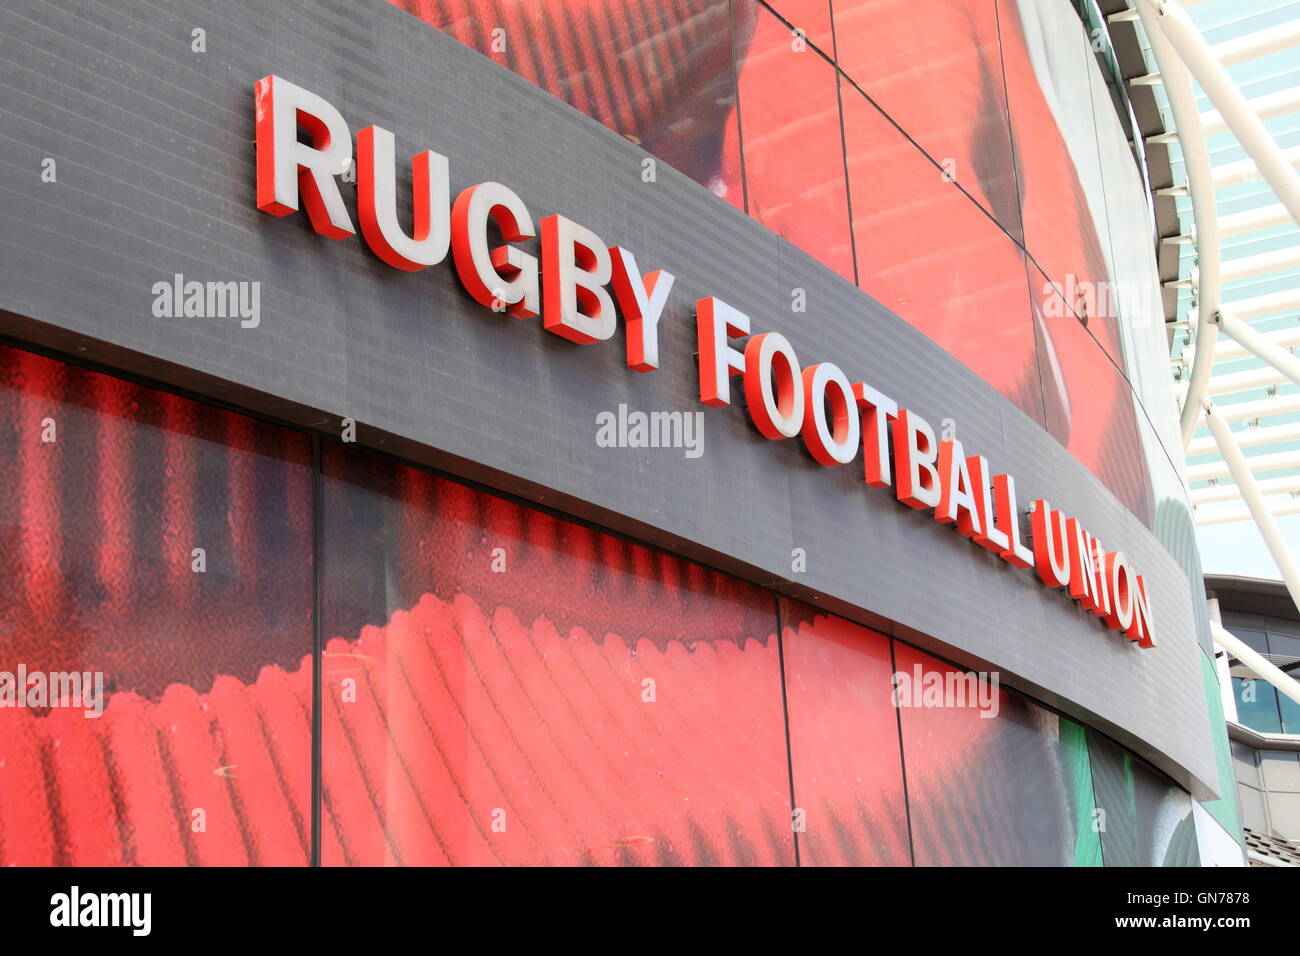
(1007, 519)
(377, 203)
(1051, 547)
(833, 442)
(776, 414)
(575, 270)
(915, 454)
(1082, 571)
(1100, 586)
(877, 412)
(1140, 628)
(641, 302)
(1120, 577)
(287, 168)
(957, 495)
(715, 322)
(504, 278)
(992, 538)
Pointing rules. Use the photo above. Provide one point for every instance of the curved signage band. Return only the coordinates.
(581, 287)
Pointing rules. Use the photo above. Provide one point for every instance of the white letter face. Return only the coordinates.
(784, 423)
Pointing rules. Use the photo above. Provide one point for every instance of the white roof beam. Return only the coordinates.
(1285, 301)
(1258, 44)
(1226, 349)
(1275, 166)
(1264, 377)
(1258, 464)
(1249, 438)
(1200, 186)
(1246, 171)
(1245, 267)
(1232, 174)
(1260, 408)
(1242, 49)
(1266, 217)
(1260, 346)
(1254, 496)
(1268, 106)
(1289, 484)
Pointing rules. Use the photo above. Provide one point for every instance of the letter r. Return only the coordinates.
(287, 168)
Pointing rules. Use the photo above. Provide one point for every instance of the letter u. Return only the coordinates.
(377, 203)
(1051, 546)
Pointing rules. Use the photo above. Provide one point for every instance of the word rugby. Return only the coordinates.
(580, 287)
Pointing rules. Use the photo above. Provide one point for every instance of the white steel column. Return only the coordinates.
(1259, 509)
(1200, 183)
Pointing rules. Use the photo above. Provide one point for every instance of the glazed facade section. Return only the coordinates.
(1259, 705)
(498, 685)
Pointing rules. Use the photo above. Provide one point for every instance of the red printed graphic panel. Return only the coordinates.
(1061, 233)
(106, 491)
(658, 73)
(935, 67)
(812, 17)
(503, 686)
(929, 254)
(987, 780)
(848, 774)
(793, 149)
(1090, 405)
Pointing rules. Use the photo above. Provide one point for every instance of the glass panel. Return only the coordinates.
(1257, 705)
(793, 149)
(992, 779)
(1090, 405)
(848, 779)
(160, 549)
(1290, 714)
(503, 686)
(927, 252)
(1287, 647)
(934, 66)
(1147, 819)
(1283, 644)
(1255, 638)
